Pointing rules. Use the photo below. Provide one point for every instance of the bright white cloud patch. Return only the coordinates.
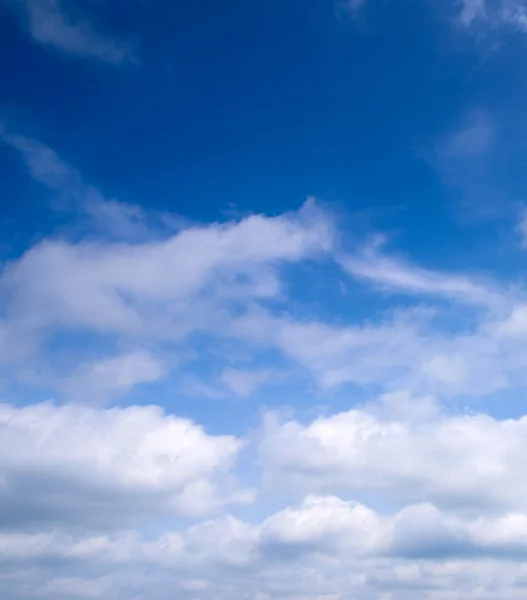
(408, 450)
(82, 465)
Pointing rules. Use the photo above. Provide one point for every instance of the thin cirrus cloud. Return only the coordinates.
(244, 382)
(468, 158)
(62, 26)
(473, 15)
(494, 14)
(71, 194)
(371, 264)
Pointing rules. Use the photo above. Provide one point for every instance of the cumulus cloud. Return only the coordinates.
(83, 465)
(407, 449)
(324, 542)
(62, 26)
(328, 525)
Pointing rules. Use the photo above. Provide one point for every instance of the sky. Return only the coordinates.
(263, 304)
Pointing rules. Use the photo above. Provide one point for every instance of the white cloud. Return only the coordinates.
(242, 382)
(402, 351)
(16, 546)
(354, 6)
(160, 289)
(472, 10)
(494, 14)
(87, 465)
(322, 548)
(396, 274)
(521, 226)
(117, 219)
(112, 376)
(410, 348)
(467, 160)
(329, 525)
(475, 136)
(408, 450)
(324, 524)
(62, 26)
(74, 587)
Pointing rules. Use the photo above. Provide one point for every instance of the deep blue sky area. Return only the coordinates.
(253, 107)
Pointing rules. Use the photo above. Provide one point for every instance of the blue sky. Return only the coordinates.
(263, 312)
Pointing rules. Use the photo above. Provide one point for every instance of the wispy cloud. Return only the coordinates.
(475, 137)
(243, 382)
(472, 10)
(494, 14)
(475, 16)
(467, 159)
(73, 194)
(353, 6)
(61, 25)
(392, 273)
(521, 226)
(111, 377)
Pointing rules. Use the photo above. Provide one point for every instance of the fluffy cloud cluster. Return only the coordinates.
(408, 450)
(323, 548)
(107, 467)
